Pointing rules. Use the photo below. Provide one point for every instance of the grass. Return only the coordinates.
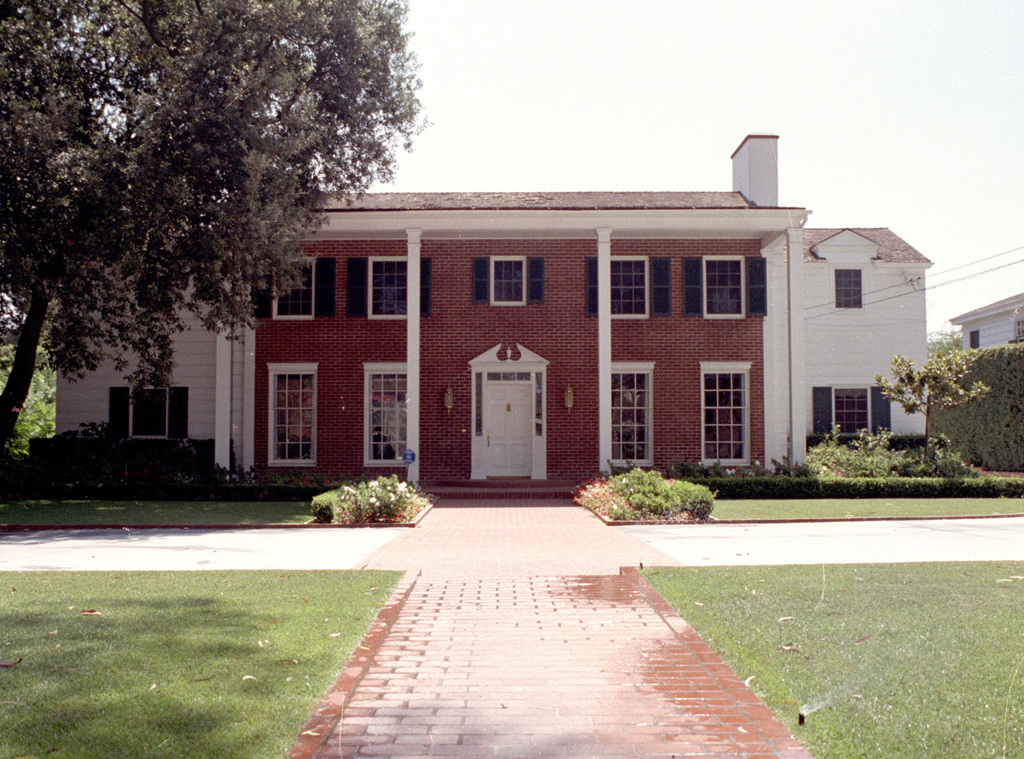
(99, 513)
(865, 507)
(920, 661)
(189, 664)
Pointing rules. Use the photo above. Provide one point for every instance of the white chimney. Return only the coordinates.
(755, 169)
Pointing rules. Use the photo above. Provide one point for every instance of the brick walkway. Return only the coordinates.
(516, 635)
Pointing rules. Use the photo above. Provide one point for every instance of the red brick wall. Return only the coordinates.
(459, 330)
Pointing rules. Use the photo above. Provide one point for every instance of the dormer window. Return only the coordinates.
(848, 288)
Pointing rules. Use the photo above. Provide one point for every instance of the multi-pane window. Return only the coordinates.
(388, 287)
(631, 416)
(293, 416)
(299, 302)
(724, 286)
(725, 416)
(850, 410)
(629, 287)
(507, 281)
(848, 288)
(149, 413)
(1018, 330)
(386, 416)
(974, 338)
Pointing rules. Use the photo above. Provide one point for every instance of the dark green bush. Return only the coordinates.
(788, 488)
(872, 455)
(645, 495)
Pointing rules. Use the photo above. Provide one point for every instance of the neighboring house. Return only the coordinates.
(864, 303)
(545, 335)
(999, 323)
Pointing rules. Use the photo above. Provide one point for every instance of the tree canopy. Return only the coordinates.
(165, 157)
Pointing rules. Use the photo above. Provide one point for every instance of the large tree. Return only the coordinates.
(166, 157)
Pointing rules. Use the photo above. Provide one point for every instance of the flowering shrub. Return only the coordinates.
(872, 455)
(385, 499)
(640, 495)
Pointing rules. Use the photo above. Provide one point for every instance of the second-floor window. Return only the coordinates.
(848, 288)
(724, 286)
(388, 287)
(629, 286)
(299, 302)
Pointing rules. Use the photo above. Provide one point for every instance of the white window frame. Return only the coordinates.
(743, 286)
(312, 298)
(369, 370)
(867, 392)
(369, 287)
(521, 260)
(647, 287)
(273, 371)
(726, 367)
(835, 289)
(647, 368)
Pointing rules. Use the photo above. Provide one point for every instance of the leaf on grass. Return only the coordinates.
(697, 603)
(785, 619)
(749, 680)
(335, 635)
(9, 703)
(789, 647)
(863, 640)
(153, 686)
(203, 679)
(248, 677)
(11, 664)
(91, 613)
(287, 661)
(311, 732)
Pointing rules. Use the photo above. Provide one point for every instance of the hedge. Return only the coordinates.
(989, 432)
(790, 488)
(125, 491)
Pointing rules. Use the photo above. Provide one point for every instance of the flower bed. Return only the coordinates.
(383, 500)
(645, 496)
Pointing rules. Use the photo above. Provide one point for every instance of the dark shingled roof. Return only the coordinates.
(891, 247)
(540, 201)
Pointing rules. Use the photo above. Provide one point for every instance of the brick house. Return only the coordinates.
(482, 335)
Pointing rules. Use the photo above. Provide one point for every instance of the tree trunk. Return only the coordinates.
(20, 379)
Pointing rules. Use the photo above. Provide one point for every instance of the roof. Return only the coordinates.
(891, 247)
(540, 201)
(1013, 302)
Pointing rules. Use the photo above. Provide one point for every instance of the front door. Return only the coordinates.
(508, 422)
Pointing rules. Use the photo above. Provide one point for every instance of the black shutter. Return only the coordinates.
(323, 296)
(757, 287)
(425, 270)
(177, 412)
(822, 397)
(261, 304)
(118, 412)
(661, 286)
(881, 413)
(591, 286)
(481, 280)
(357, 287)
(693, 286)
(534, 280)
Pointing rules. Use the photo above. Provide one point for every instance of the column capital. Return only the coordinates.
(604, 234)
(414, 235)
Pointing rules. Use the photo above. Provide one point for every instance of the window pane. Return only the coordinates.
(630, 413)
(299, 302)
(388, 285)
(848, 288)
(725, 417)
(629, 287)
(387, 417)
(851, 409)
(724, 286)
(508, 281)
(294, 416)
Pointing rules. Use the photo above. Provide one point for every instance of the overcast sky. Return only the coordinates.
(907, 115)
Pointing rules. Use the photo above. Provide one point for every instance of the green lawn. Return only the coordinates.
(153, 512)
(865, 507)
(176, 665)
(919, 661)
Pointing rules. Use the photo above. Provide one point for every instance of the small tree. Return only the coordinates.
(940, 384)
(945, 341)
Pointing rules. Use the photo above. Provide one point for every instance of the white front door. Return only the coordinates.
(508, 427)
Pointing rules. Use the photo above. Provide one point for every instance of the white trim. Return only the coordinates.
(647, 287)
(726, 367)
(369, 370)
(604, 347)
(412, 352)
(369, 287)
(867, 392)
(522, 262)
(312, 298)
(273, 370)
(248, 452)
(705, 260)
(222, 401)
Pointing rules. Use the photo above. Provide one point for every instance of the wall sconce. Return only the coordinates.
(568, 397)
(449, 399)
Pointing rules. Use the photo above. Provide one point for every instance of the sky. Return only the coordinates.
(906, 115)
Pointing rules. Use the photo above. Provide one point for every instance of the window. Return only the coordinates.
(629, 286)
(298, 304)
(975, 338)
(723, 279)
(507, 287)
(386, 432)
(149, 413)
(631, 417)
(848, 288)
(851, 409)
(293, 414)
(388, 287)
(726, 425)
(1018, 330)
(153, 412)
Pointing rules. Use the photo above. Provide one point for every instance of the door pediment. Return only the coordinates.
(505, 355)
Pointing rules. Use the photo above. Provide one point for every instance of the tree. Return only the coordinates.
(165, 157)
(37, 418)
(940, 384)
(945, 341)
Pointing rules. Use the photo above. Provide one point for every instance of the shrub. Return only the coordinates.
(385, 499)
(642, 495)
(871, 455)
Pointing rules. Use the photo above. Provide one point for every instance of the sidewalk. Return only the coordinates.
(516, 635)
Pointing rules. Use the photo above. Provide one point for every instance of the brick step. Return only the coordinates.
(501, 489)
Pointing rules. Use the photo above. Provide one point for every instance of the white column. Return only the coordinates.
(248, 453)
(412, 351)
(604, 346)
(222, 402)
(797, 353)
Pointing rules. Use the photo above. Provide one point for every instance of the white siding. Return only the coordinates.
(993, 329)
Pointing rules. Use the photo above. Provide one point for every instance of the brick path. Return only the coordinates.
(516, 635)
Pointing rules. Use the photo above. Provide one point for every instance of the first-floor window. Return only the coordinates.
(387, 432)
(726, 414)
(149, 413)
(293, 414)
(631, 417)
(850, 409)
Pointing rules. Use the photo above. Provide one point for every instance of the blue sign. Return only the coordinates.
(408, 456)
